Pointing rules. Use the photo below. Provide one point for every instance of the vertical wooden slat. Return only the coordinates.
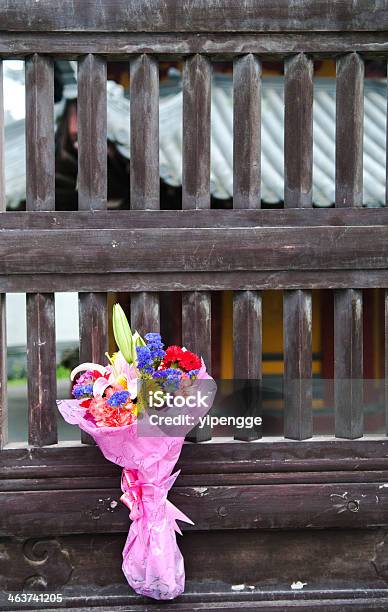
(246, 132)
(196, 306)
(144, 173)
(40, 195)
(247, 350)
(348, 363)
(3, 339)
(386, 147)
(144, 95)
(92, 195)
(297, 311)
(247, 316)
(196, 133)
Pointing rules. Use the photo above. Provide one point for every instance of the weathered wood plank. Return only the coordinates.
(349, 130)
(40, 164)
(145, 312)
(298, 167)
(40, 196)
(168, 250)
(348, 363)
(196, 337)
(298, 417)
(315, 506)
(196, 133)
(263, 456)
(92, 122)
(187, 16)
(298, 132)
(246, 132)
(247, 353)
(195, 281)
(214, 218)
(92, 195)
(117, 46)
(3, 339)
(42, 383)
(144, 172)
(145, 186)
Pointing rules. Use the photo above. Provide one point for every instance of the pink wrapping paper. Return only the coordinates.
(152, 562)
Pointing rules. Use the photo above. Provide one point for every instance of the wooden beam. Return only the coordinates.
(145, 312)
(196, 306)
(40, 165)
(348, 332)
(298, 166)
(196, 133)
(170, 46)
(92, 195)
(187, 16)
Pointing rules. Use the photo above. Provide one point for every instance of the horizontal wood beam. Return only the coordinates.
(143, 219)
(170, 46)
(189, 16)
(195, 281)
(274, 455)
(193, 250)
(310, 506)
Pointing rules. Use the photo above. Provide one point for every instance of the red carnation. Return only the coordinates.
(189, 361)
(173, 354)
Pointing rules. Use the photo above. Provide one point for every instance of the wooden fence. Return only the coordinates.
(267, 484)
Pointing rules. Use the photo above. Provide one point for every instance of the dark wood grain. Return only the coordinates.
(246, 132)
(348, 363)
(298, 418)
(41, 361)
(92, 122)
(190, 250)
(180, 219)
(92, 195)
(348, 366)
(196, 337)
(40, 163)
(173, 46)
(350, 505)
(145, 312)
(186, 16)
(3, 339)
(196, 133)
(298, 131)
(144, 188)
(349, 130)
(40, 196)
(247, 354)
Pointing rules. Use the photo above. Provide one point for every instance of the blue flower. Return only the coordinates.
(168, 379)
(155, 345)
(119, 398)
(80, 391)
(193, 373)
(144, 359)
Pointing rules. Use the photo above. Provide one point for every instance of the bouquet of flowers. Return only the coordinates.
(110, 404)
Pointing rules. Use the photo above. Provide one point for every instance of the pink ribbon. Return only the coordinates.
(142, 498)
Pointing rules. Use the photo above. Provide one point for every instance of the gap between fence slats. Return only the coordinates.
(247, 323)
(92, 195)
(196, 306)
(40, 196)
(144, 170)
(297, 311)
(386, 357)
(348, 333)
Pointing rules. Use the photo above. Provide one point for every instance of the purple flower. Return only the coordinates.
(81, 391)
(144, 359)
(155, 345)
(119, 398)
